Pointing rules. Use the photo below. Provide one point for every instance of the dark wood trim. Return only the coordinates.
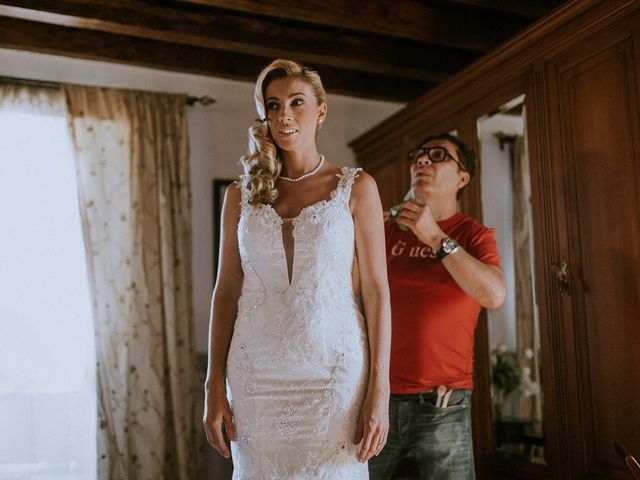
(544, 185)
(510, 468)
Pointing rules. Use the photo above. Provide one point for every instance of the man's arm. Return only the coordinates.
(482, 282)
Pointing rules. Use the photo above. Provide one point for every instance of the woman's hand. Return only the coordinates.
(217, 413)
(373, 424)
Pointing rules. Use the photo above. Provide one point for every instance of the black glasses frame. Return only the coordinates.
(416, 153)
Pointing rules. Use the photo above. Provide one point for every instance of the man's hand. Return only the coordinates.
(419, 219)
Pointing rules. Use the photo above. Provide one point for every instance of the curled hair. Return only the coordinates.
(262, 163)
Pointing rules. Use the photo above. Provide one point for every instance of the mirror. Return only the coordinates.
(514, 332)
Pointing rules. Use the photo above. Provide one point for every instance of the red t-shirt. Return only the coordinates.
(433, 319)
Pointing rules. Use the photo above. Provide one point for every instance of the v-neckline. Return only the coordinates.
(294, 221)
(324, 201)
(294, 225)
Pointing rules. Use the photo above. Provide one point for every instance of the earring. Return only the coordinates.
(321, 119)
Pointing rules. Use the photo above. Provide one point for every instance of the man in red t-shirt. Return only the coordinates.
(443, 268)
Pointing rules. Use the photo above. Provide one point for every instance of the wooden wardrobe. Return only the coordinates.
(579, 70)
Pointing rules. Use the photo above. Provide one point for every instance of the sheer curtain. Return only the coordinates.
(47, 358)
(133, 175)
(527, 323)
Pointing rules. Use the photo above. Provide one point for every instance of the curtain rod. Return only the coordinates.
(191, 100)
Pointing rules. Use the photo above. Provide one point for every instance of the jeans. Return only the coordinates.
(440, 437)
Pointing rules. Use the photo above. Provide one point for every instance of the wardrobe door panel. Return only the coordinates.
(393, 181)
(598, 106)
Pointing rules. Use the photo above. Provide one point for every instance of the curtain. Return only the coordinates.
(132, 167)
(527, 329)
(33, 100)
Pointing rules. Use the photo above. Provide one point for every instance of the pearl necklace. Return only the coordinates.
(312, 172)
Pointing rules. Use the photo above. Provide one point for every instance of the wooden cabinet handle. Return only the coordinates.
(561, 269)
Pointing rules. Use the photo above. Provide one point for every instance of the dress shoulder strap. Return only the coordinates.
(242, 182)
(347, 176)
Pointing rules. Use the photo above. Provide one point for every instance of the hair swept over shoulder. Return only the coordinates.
(262, 163)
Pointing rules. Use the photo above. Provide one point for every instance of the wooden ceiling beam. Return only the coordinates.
(224, 31)
(98, 45)
(441, 24)
(527, 8)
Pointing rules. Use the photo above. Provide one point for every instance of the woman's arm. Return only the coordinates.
(373, 424)
(224, 308)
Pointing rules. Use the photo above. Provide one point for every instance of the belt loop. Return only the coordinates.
(421, 397)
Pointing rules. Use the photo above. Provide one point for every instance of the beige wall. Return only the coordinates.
(218, 135)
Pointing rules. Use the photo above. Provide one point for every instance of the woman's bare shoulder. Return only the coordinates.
(232, 197)
(364, 194)
(364, 185)
(234, 189)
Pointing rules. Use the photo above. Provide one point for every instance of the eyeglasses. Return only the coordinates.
(435, 154)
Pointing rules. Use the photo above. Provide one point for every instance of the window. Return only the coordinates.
(47, 358)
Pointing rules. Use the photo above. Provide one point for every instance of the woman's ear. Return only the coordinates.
(322, 112)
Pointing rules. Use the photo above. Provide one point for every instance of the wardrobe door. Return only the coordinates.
(392, 179)
(594, 134)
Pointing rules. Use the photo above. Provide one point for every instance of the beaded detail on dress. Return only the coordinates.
(298, 359)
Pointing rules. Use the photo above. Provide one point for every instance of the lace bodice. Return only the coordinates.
(323, 234)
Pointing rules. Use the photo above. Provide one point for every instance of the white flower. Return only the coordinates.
(528, 353)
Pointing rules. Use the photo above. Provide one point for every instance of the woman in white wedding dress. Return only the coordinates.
(307, 374)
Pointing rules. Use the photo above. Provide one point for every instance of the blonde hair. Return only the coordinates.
(262, 163)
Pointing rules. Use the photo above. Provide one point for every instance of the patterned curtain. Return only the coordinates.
(133, 178)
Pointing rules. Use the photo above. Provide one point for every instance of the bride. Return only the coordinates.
(308, 381)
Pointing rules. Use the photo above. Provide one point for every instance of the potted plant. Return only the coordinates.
(505, 377)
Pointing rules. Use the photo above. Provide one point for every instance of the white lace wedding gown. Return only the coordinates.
(298, 361)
